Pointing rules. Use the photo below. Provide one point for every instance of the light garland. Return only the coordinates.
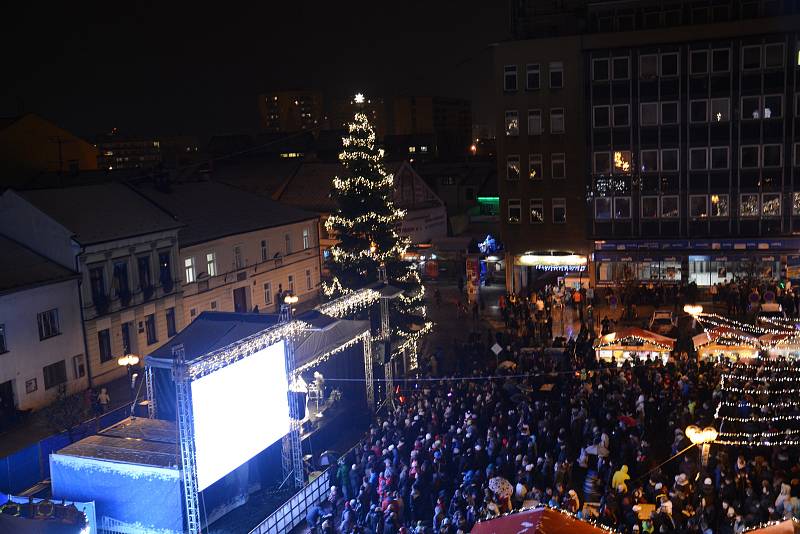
(229, 354)
(327, 355)
(350, 302)
(729, 376)
(768, 524)
(758, 418)
(413, 337)
(635, 338)
(335, 287)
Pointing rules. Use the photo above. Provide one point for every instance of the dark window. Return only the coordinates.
(669, 113)
(751, 57)
(55, 374)
(556, 74)
(719, 157)
(698, 159)
(150, 327)
(602, 117)
(533, 76)
(773, 55)
(104, 342)
(3, 341)
(699, 62)
(97, 283)
(698, 111)
(165, 270)
(669, 64)
(121, 287)
(621, 115)
(720, 60)
(510, 79)
(48, 323)
(621, 68)
(143, 264)
(171, 330)
(772, 155)
(773, 106)
(600, 69)
(125, 328)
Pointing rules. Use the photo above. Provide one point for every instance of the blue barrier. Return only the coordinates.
(25, 468)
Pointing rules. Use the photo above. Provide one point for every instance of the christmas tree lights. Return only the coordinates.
(366, 223)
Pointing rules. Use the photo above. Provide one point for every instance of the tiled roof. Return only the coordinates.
(22, 268)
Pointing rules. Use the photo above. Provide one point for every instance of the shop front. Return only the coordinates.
(534, 270)
(702, 262)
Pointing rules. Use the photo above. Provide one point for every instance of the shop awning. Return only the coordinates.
(536, 521)
(720, 334)
(634, 337)
(790, 526)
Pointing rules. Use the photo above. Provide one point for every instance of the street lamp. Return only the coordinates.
(694, 310)
(704, 437)
(129, 361)
(286, 308)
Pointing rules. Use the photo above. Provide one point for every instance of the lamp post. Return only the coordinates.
(129, 361)
(286, 308)
(694, 310)
(704, 437)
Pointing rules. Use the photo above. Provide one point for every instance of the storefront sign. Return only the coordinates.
(701, 244)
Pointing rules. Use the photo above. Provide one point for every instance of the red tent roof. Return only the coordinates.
(621, 335)
(536, 521)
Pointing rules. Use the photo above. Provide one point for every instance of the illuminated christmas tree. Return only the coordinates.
(365, 224)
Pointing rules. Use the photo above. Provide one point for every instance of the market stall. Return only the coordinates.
(634, 344)
(725, 342)
(781, 345)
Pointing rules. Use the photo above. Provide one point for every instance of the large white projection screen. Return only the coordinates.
(239, 411)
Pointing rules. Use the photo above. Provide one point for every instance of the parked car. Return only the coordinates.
(662, 322)
(767, 311)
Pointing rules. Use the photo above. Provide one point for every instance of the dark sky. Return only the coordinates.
(164, 69)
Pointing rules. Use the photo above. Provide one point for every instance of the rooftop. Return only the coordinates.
(22, 268)
(99, 213)
(213, 210)
(134, 440)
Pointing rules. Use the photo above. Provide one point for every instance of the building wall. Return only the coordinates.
(524, 235)
(28, 354)
(153, 299)
(35, 144)
(290, 111)
(216, 293)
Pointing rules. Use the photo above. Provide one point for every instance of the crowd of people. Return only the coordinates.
(601, 441)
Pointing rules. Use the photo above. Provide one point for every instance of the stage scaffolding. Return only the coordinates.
(186, 437)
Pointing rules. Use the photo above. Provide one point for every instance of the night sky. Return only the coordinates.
(165, 69)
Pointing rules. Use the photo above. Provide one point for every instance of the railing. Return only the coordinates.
(293, 511)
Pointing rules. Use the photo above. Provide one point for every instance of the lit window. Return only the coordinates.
(720, 109)
(534, 122)
(601, 116)
(771, 204)
(602, 208)
(512, 122)
(290, 284)
(557, 120)
(602, 162)
(532, 72)
(622, 161)
(211, 263)
(698, 206)
(510, 78)
(748, 205)
(649, 207)
(306, 239)
(795, 203)
(514, 210)
(512, 167)
(537, 211)
(423, 148)
(559, 210)
(670, 207)
(720, 205)
(797, 154)
(773, 106)
(412, 149)
(600, 69)
(188, 265)
(751, 107)
(558, 165)
(556, 74)
(535, 167)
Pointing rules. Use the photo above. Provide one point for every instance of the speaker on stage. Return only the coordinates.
(300, 399)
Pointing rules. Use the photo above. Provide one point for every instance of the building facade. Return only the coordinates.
(41, 334)
(540, 159)
(290, 111)
(688, 151)
(118, 152)
(254, 250)
(125, 250)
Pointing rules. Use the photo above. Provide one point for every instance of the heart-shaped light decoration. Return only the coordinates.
(698, 436)
(693, 309)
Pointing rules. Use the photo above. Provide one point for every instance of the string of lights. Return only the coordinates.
(327, 355)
